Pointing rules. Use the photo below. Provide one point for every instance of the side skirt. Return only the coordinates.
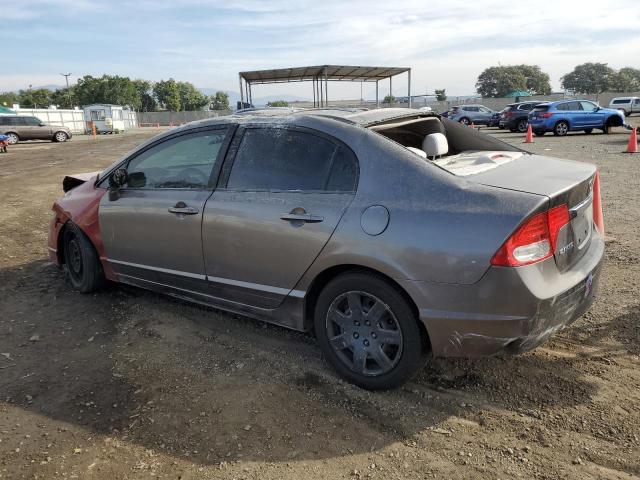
(290, 314)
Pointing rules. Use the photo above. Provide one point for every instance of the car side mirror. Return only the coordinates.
(118, 179)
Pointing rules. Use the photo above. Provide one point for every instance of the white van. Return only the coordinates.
(627, 105)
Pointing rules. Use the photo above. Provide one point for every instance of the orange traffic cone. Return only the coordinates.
(632, 146)
(528, 138)
(473, 125)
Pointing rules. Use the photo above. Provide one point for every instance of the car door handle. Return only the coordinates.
(183, 208)
(302, 217)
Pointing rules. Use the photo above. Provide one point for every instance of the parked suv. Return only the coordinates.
(626, 105)
(572, 115)
(19, 128)
(515, 116)
(467, 114)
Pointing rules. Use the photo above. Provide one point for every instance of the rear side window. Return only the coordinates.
(541, 108)
(290, 160)
(4, 121)
(621, 101)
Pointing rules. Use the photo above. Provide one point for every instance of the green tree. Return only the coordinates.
(7, 99)
(589, 78)
(501, 80)
(167, 92)
(278, 103)
(389, 99)
(38, 98)
(441, 95)
(63, 98)
(626, 79)
(145, 93)
(106, 89)
(219, 101)
(190, 97)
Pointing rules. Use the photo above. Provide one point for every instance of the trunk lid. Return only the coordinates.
(562, 182)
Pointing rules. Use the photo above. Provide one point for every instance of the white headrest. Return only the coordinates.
(417, 151)
(435, 145)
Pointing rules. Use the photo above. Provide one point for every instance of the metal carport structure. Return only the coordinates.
(320, 76)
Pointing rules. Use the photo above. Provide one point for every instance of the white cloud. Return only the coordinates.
(447, 43)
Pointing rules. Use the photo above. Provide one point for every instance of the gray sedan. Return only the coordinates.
(389, 233)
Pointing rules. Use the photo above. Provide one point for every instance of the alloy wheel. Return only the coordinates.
(13, 138)
(364, 333)
(61, 137)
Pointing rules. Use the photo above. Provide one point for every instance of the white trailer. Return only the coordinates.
(106, 118)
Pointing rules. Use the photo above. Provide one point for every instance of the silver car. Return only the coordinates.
(468, 114)
(389, 233)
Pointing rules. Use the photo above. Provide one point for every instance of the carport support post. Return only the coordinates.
(250, 95)
(390, 87)
(409, 88)
(377, 100)
(313, 83)
(326, 87)
(241, 95)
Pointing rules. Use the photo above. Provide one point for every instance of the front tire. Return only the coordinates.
(81, 262)
(368, 331)
(561, 129)
(61, 137)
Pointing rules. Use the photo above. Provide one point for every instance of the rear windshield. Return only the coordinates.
(621, 100)
(541, 108)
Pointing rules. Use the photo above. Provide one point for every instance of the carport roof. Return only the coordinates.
(348, 73)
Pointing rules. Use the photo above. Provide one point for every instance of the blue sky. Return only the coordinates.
(207, 42)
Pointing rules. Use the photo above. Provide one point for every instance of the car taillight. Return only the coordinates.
(598, 219)
(534, 241)
(546, 115)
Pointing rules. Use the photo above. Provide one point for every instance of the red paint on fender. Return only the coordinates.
(80, 205)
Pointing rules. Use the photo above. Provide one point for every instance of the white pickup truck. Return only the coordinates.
(627, 105)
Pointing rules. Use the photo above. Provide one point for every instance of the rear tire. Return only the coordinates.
(81, 262)
(522, 126)
(561, 129)
(13, 138)
(368, 331)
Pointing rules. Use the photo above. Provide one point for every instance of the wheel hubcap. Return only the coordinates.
(364, 333)
(61, 137)
(75, 257)
(13, 139)
(562, 129)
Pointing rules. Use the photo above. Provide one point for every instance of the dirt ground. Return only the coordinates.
(127, 384)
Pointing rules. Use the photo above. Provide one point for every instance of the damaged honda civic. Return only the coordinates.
(393, 235)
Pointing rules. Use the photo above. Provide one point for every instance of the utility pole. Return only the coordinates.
(66, 77)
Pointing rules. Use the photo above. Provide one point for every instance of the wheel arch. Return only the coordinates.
(614, 121)
(325, 276)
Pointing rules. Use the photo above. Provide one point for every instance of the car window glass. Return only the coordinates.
(588, 106)
(575, 106)
(281, 159)
(181, 162)
(33, 121)
(4, 120)
(484, 109)
(21, 121)
(637, 101)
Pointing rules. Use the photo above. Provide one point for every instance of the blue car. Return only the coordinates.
(571, 116)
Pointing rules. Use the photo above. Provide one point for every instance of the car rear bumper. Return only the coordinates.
(510, 309)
